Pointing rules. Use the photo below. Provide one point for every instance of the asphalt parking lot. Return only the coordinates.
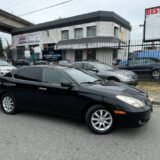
(34, 136)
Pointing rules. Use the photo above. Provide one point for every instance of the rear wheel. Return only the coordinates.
(99, 120)
(8, 104)
(156, 74)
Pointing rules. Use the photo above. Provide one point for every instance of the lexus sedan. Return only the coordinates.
(105, 71)
(71, 92)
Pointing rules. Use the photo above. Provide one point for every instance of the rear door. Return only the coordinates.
(24, 86)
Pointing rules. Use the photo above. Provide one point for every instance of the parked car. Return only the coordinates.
(64, 63)
(22, 62)
(144, 66)
(40, 62)
(5, 67)
(105, 71)
(140, 54)
(71, 92)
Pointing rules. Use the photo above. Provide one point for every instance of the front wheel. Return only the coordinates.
(8, 104)
(99, 120)
(156, 74)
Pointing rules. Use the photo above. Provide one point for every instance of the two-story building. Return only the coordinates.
(93, 36)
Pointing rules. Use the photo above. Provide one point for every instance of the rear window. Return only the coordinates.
(31, 74)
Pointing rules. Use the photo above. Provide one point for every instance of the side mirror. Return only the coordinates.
(67, 84)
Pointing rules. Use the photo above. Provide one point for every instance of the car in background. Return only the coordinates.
(21, 62)
(144, 66)
(5, 67)
(64, 63)
(71, 92)
(40, 62)
(105, 71)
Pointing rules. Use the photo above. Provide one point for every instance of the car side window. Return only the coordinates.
(88, 66)
(53, 76)
(149, 61)
(136, 62)
(30, 74)
(78, 65)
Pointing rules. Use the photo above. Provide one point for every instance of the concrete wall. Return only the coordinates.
(105, 29)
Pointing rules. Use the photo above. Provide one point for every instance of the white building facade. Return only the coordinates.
(93, 36)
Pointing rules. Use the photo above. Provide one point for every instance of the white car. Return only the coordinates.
(5, 67)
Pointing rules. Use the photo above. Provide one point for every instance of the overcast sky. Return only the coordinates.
(131, 10)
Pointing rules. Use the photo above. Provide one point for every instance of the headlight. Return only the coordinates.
(131, 101)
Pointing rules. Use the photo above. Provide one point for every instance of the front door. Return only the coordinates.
(55, 98)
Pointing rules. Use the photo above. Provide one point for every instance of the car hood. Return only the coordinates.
(120, 71)
(112, 89)
(7, 68)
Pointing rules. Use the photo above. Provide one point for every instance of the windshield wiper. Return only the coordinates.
(98, 80)
(88, 82)
(93, 82)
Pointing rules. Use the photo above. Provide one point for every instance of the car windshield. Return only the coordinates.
(4, 63)
(81, 77)
(102, 66)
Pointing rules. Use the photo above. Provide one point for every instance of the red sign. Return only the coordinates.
(151, 11)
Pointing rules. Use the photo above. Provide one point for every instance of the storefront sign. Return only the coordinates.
(29, 39)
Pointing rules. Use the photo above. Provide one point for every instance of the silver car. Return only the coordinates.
(105, 71)
(5, 67)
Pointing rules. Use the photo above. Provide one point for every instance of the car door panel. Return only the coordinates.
(60, 100)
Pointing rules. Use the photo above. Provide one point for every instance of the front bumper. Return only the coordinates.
(132, 82)
(135, 119)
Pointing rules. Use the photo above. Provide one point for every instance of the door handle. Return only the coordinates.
(42, 88)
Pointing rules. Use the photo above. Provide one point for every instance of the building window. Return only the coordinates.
(116, 32)
(91, 54)
(91, 31)
(78, 55)
(65, 35)
(78, 33)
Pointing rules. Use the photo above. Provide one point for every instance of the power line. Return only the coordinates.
(16, 4)
(64, 2)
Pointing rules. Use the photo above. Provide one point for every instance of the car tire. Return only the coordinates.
(8, 104)
(99, 119)
(156, 74)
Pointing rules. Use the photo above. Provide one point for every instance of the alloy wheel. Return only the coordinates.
(8, 104)
(156, 74)
(101, 120)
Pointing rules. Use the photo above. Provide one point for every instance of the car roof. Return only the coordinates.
(155, 59)
(44, 66)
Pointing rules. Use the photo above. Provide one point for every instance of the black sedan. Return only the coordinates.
(71, 92)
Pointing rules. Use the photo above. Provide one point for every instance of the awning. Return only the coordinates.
(90, 43)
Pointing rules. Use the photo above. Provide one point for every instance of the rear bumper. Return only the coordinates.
(134, 119)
